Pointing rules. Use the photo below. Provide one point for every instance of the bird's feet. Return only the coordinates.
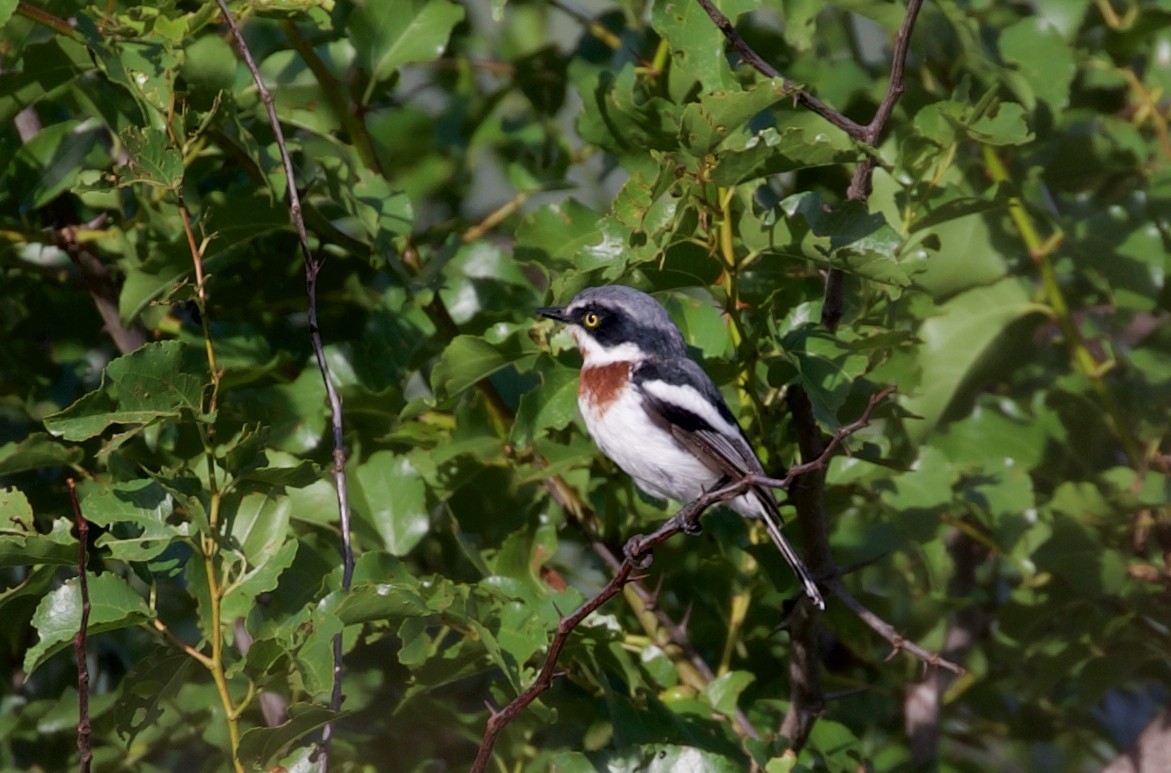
(636, 553)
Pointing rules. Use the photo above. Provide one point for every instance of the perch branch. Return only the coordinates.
(638, 551)
(312, 268)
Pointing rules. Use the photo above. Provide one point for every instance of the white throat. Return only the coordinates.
(595, 355)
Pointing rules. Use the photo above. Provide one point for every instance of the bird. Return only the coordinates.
(653, 410)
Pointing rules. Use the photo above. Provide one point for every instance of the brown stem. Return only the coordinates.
(806, 701)
(760, 65)
(887, 631)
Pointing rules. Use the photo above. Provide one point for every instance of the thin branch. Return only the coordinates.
(312, 268)
(55, 23)
(84, 729)
(754, 59)
(638, 552)
(898, 66)
(887, 631)
(862, 180)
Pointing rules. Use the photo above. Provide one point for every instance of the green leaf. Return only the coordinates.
(1045, 62)
(389, 35)
(260, 744)
(135, 513)
(158, 381)
(826, 368)
(918, 497)
(469, 359)
(964, 330)
(697, 45)
(1007, 126)
(724, 691)
(20, 542)
(50, 162)
(384, 601)
(389, 495)
(6, 9)
(772, 151)
(259, 527)
(622, 119)
(555, 233)
(153, 159)
(149, 688)
(1075, 555)
(113, 605)
(720, 113)
(47, 67)
(34, 452)
(551, 406)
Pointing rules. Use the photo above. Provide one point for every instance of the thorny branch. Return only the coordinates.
(638, 552)
(312, 268)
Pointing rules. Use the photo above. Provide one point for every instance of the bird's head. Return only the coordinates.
(618, 324)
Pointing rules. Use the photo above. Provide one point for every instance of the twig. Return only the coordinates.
(862, 179)
(638, 551)
(84, 729)
(312, 268)
(754, 59)
(55, 23)
(887, 631)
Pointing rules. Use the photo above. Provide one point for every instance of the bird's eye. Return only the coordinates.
(591, 319)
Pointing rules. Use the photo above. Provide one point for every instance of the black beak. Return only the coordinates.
(554, 312)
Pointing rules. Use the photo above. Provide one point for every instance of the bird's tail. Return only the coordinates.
(772, 522)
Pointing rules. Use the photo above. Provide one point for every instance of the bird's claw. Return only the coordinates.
(635, 554)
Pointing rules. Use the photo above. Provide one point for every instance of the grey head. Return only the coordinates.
(613, 315)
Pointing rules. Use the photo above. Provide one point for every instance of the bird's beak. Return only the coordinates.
(554, 312)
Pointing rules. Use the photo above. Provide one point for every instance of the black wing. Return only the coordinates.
(689, 419)
(688, 416)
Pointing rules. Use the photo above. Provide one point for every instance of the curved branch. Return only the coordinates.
(638, 551)
(754, 59)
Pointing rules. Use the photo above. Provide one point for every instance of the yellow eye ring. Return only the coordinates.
(590, 319)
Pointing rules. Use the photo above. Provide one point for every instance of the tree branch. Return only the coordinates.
(860, 183)
(638, 552)
(887, 631)
(754, 59)
(312, 268)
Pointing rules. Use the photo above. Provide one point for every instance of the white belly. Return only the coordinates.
(651, 456)
(645, 451)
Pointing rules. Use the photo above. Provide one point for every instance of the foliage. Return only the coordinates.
(463, 164)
